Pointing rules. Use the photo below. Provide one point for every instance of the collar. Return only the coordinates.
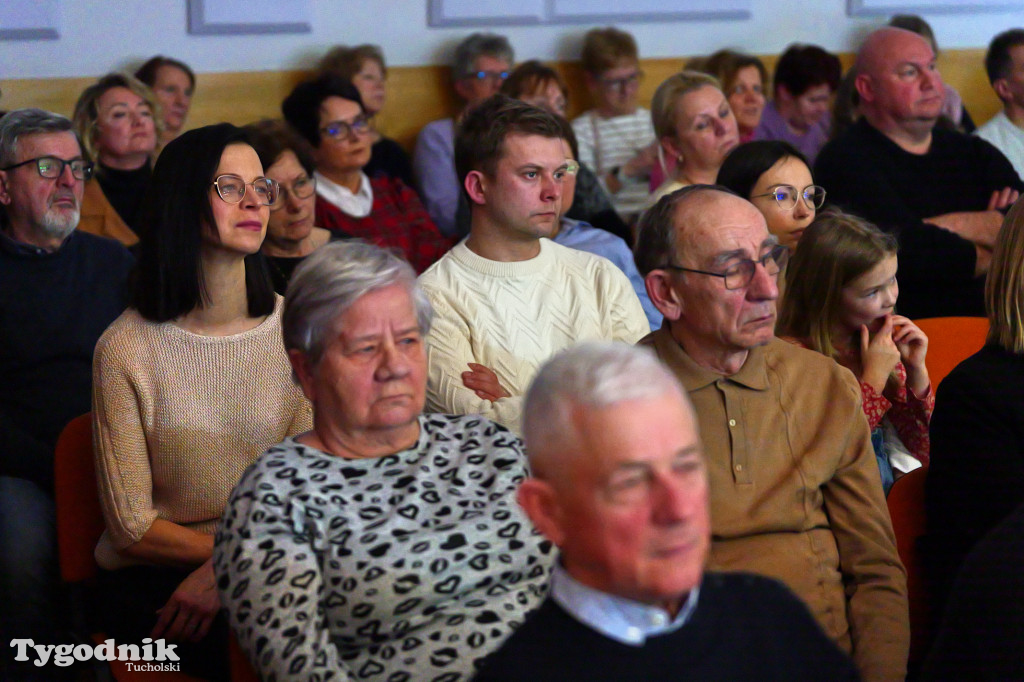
(13, 246)
(753, 374)
(357, 204)
(624, 620)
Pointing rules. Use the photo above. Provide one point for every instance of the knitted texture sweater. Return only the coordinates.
(511, 317)
(177, 417)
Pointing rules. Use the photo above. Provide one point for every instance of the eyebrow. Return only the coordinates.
(371, 337)
(539, 167)
(726, 256)
(685, 452)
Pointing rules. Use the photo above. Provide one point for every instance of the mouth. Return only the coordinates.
(251, 225)
(64, 202)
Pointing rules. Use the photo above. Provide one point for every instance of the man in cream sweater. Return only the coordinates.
(507, 298)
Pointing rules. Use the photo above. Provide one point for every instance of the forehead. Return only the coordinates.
(903, 47)
(390, 306)
(490, 62)
(788, 170)
(747, 74)
(286, 164)
(169, 72)
(520, 150)
(882, 272)
(336, 108)
(241, 159)
(118, 95)
(63, 144)
(716, 223)
(700, 100)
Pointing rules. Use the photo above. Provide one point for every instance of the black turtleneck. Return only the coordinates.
(125, 191)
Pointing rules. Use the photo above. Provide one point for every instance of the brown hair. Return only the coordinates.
(605, 48)
(273, 137)
(1004, 289)
(834, 250)
(345, 61)
(147, 72)
(531, 76)
(725, 64)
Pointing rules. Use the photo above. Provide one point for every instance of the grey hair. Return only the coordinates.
(330, 280)
(656, 241)
(477, 45)
(592, 374)
(29, 122)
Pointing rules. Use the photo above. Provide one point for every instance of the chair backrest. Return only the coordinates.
(907, 510)
(241, 669)
(951, 340)
(79, 517)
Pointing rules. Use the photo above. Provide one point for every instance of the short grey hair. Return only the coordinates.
(330, 280)
(593, 374)
(477, 45)
(21, 122)
(656, 242)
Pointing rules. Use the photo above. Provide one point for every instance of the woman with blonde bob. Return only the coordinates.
(977, 474)
(841, 292)
(695, 127)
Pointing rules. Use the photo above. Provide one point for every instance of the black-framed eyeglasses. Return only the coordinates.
(630, 81)
(739, 274)
(490, 76)
(52, 167)
(341, 130)
(301, 188)
(786, 196)
(231, 189)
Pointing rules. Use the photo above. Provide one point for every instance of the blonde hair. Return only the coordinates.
(835, 249)
(1004, 289)
(86, 112)
(668, 95)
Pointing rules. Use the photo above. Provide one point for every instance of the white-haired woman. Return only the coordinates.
(384, 541)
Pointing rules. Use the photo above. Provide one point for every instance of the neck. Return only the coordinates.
(38, 239)
(611, 112)
(292, 248)
(789, 114)
(360, 444)
(128, 162)
(914, 137)
(1015, 113)
(489, 241)
(227, 310)
(721, 362)
(349, 179)
(696, 176)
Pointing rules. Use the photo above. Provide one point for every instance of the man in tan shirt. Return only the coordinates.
(795, 490)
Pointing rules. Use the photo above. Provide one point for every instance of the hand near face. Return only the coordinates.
(913, 346)
(484, 382)
(190, 611)
(878, 354)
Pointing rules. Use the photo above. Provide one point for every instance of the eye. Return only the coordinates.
(530, 174)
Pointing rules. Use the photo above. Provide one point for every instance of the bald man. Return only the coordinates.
(940, 191)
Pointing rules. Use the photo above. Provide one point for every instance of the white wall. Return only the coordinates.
(102, 35)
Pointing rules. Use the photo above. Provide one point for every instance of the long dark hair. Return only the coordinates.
(176, 210)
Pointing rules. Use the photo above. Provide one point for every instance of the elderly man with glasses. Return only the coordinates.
(59, 289)
(795, 491)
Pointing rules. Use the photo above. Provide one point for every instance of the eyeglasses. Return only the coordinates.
(51, 167)
(342, 130)
(741, 273)
(572, 167)
(624, 83)
(490, 76)
(231, 189)
(786, 195)
(303, 188)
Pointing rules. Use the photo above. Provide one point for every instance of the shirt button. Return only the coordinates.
(739, 467)
(732, 422)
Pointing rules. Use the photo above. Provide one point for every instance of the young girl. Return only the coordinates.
(840, 294)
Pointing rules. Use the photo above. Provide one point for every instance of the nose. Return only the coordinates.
(892, 293)
(672, 500)
(551, 188)
(66, 178)
(249, 199)
(801, 209)
(292, 202)
(763, 287)
(394, 364)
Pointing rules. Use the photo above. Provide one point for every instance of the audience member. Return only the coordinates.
(806, 77)
(795, 493)
(364, 67)
(114, 120)
(616, 137)
(482, 62)
(291, 235)
(328, 112)
(938, 190)
(695, 127)
(540, 85)
(954, 113)
(580, 235)
(61, 290)
(190, 385)
(505, 298)
(840, 300)
(976, 477)
(173, 83)
(982, 635)
(619, 484)
(776, 178)
(743, 78)
(1004, 63)
(376, 494)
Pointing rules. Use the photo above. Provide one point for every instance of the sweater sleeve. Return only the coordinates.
(628, 320)
(434, 163)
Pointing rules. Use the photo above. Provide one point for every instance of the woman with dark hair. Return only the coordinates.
(291, 235)
(173, 83)
(328, 112)
(743, 78)
(190, 384)
(776, 178)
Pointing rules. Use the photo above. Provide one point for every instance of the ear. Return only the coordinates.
(476, 187)
(671, 147)
(663, 295)
(783, 94)
(304, 372)
(865, 87)
(540, 502)
(1002, 89)
(5, 195)
(462, 89)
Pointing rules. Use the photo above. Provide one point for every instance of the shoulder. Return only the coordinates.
(126, 339)
(986, 372)
(435, 278)
(440, 130)
(471, 432)
(804, 369)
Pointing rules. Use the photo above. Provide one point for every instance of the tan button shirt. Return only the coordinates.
(796, 493)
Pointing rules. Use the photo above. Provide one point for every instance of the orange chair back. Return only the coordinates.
(951, 340)
(906, 508)
(79, 518)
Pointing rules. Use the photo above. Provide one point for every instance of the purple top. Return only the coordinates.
(774, 127)
(433, 161)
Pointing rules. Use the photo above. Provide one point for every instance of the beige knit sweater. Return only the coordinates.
(177, 417)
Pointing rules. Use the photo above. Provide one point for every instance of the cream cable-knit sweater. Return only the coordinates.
(511, 317)
(177, 417)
